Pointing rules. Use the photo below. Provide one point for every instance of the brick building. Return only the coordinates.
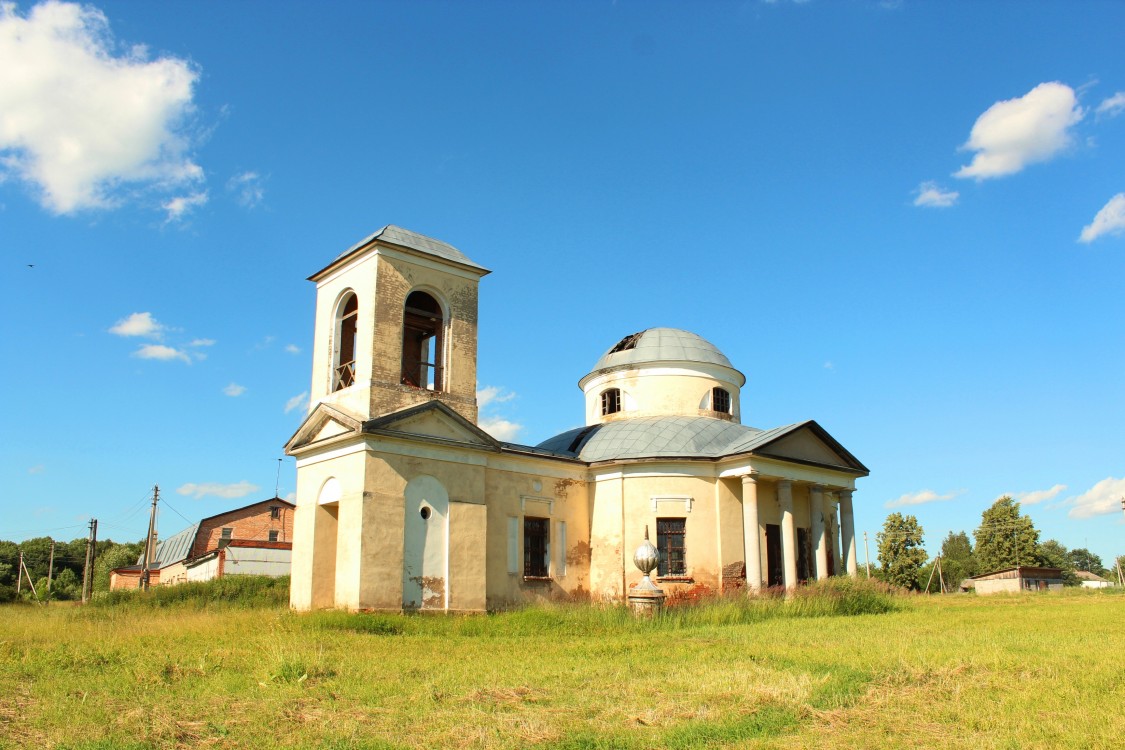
(255, 539)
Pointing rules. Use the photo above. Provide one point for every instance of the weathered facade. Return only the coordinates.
(1015, 580)
(253, 529)
(404, 503)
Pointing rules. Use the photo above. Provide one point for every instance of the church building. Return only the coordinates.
(403, 502)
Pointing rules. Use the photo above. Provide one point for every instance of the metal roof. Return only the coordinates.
(173, 549)
(419, 242)
(660, 437)
(658, 345)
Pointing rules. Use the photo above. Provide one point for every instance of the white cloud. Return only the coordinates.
(201, 342)
(1014, 133)
(291, 497)
(492, 394)
(1110, 220)
(228, 491)
(234, 389)
(1101, 499)
(292, 349)
(81, 124)
(247, 188)
(37, 469)
(921, 498)
(297, 401)
(139, 324)
(931, 195)
(1037, 496)
(829, 365)
(179, 207)
(501, 429)
(159, 351)
(1113, 106)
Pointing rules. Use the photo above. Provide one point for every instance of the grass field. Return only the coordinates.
(1033, 671)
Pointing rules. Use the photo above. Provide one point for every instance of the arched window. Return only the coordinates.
(720, 400)
(422, 329)
(611, 401)
(344, 364)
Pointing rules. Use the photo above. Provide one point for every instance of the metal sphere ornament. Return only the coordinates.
(647, 556)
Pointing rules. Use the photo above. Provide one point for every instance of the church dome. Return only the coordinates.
(661, 346)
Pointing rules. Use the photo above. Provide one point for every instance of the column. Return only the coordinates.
(788, 532)
(847, 531)
(751, 533)
(817, 517)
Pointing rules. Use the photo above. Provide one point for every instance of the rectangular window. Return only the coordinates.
(273, 536)
(275, 512)
(670, 534)
(227, 531)
(536, 547)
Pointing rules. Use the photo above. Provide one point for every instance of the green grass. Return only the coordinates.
(839, 666)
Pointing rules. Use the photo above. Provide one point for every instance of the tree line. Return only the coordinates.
(1004, 539)
(68, 567)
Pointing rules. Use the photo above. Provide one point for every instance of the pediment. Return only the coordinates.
(810, 443)
(433, 421)
(324, 423)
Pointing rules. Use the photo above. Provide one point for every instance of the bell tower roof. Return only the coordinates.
(417, 244)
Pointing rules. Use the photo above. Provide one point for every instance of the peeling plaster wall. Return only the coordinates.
(560, 496)
(458, 295)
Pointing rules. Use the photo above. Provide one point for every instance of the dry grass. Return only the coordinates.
(1041, 671)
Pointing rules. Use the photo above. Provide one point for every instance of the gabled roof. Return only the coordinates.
(689, 437)
(462, 431)
(173, 549)
(404, 238)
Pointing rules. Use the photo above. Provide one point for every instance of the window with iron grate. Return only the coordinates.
(670, 534)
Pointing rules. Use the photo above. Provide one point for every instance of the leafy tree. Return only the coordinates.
(117, 556)
(1053, 554)
(1005, 539)
(958, 561)
(900, 550)
(1083, 559)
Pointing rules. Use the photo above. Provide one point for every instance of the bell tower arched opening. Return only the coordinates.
(423, 342)
(343, 360)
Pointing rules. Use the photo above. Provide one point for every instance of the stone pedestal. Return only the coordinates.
(646, 600)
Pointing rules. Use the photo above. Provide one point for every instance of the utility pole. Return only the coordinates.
(150, 543)
(867, 554)
(50, 569)
(23, 570)
(19, 576)
(88, 570)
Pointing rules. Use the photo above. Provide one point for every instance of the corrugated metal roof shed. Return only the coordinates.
(174, 548)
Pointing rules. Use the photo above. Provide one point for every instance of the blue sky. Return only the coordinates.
(904, 220)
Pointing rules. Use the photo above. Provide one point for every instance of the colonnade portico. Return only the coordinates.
(830, 512)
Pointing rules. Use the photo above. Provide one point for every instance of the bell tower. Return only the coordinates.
(396, 325)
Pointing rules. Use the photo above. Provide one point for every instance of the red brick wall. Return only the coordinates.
(252, 523)
(131, 579)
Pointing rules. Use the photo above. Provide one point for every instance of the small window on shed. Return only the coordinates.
(611, 401)
(273, 535)
(227, 532)
(720, 400)
(275, 511)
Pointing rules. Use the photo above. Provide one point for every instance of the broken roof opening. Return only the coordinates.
(629, 342)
